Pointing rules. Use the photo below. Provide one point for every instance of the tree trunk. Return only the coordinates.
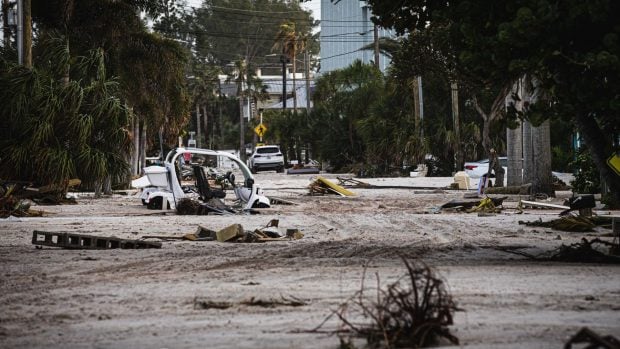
(542, 179)
(205, 126)
(514, 152)
(528, 152)
(28, 33)
(600, 149)
(514, 141)
(107, 185)
(135, 150)
(142, 148)
(197, 125)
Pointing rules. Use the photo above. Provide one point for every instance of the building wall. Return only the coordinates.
(345, 29)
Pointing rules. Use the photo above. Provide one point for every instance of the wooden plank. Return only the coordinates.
(544, 205)
(335, 187)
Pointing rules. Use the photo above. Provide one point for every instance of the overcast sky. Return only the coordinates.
(312, 5)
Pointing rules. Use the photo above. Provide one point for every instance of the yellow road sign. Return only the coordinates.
(614, 163)
(260, 129)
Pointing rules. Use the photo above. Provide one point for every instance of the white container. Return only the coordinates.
(462, 179)
(157, 175)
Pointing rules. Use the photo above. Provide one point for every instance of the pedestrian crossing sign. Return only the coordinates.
(260, 129)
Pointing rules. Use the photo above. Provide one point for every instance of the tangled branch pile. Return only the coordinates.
(413, 312)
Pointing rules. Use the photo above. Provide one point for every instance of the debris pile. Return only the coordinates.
(581, 252)
(572, 223)
(236, 233)
(322, 186)
(270, 232)
(488, 205)
(413, 312)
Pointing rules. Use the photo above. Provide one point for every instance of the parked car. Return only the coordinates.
(479, 168)
(266, 157)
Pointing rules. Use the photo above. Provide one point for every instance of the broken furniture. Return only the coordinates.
(90, 242)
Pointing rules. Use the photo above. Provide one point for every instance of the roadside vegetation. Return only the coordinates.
(161, 63)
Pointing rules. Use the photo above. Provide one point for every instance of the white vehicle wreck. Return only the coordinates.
(202, 174)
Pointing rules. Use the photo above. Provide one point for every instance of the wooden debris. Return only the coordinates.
(230, 233)
(89, 242)
(470, 204)
(537, 204)
(350, 182)
(324, 186)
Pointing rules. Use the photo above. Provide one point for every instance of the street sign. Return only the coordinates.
(260, 129)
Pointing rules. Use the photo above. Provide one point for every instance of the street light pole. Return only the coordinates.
(284, 60)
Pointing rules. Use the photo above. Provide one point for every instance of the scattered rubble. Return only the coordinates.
(236, 233)
(270, 232)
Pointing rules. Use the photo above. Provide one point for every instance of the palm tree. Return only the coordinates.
(151, 69)
(290, 42)
(61, 129)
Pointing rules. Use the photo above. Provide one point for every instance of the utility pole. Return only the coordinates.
(197, 126)
(454, 87)
(242, 70)
(283, 59)
(307, 64)
(376, 33)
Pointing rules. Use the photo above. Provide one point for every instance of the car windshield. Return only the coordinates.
(267, 150)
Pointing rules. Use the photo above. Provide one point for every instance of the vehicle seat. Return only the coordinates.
(202, 185)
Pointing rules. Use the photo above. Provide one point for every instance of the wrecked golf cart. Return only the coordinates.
(202, 174)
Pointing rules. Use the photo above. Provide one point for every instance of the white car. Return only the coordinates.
(266, 157)
(479, 168)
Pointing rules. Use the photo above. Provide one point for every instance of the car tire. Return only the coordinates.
(280, 169)
(254, 170)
